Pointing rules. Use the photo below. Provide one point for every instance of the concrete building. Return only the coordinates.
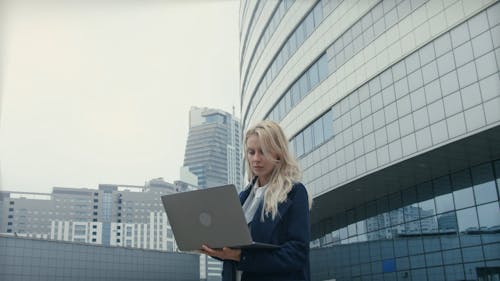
(393, 110)
(112, 215)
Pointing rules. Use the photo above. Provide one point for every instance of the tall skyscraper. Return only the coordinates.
(213, 154)
(392, 108)
(213, 151)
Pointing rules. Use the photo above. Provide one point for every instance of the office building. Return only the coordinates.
(112, 215)
(213, 150)
(213, 154)
(393, 110)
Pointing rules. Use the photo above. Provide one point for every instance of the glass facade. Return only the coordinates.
(444, 229)
(393, 111)
(39, 260)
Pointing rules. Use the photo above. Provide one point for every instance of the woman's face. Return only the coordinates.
(260, 165)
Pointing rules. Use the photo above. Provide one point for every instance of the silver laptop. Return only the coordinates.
(211, 217)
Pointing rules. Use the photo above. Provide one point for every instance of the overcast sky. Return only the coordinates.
(99, 91)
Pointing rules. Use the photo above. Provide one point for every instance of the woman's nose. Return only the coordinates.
(256, 156)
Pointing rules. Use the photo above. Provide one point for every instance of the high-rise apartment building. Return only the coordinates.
(112, 215)
(213, 150)
(393, 110)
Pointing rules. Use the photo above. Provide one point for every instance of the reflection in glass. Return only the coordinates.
(489, 216)
(412, 227)
(484, 184)
(343, 233)
(429, 225)
(447, 222)
(427, 208)
(463, 198)
(485, 192)
(444, 203)
(467, 220)
(396, 217)
(361, 226)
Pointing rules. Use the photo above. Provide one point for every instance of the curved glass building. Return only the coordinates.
(393, 111)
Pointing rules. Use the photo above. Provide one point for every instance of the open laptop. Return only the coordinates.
(211, 217)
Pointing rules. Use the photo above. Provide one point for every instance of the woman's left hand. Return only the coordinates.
(224, 254)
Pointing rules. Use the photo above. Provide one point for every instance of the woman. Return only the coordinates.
(276, 207)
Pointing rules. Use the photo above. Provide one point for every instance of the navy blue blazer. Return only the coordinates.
(290, 229)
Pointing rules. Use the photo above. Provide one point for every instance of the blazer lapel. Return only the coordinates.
(262, 231)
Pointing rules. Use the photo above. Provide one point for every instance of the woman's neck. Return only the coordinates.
(262, 181)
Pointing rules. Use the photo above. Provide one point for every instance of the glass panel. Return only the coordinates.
(328, 124)
(281, 109)
(463, 198)
(314, 75)
(299, 144)
(427, 208)
(304, 86)
(343, 233)
(318, 132)
(323, 68)
(361, 227)
(489, 217)
(447, 222)
(308, 139)
(318, 14)
(309, 24)
(461, 180)
(295, 94)
(429, 225)
(288, 103)
(411, 210)
(444, 203)
(442, 185)
(412, 227)
(467, 220)
(484, 184)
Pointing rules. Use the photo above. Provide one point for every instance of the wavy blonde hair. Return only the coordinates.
(286, 171)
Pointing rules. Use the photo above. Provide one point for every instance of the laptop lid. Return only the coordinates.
(211, 216)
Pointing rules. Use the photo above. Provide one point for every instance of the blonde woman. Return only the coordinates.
(276, 207)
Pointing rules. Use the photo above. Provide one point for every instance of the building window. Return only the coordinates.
(117, 240)
(96, 200)
(11, 202)
(94, 220)
(95, 213)
(94, 240)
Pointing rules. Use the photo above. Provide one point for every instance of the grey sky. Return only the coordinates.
(99, 92)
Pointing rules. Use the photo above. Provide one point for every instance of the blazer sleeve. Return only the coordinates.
(294, 253)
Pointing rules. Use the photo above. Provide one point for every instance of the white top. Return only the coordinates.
(250, 207)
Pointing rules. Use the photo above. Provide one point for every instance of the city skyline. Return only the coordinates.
(96, 93)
